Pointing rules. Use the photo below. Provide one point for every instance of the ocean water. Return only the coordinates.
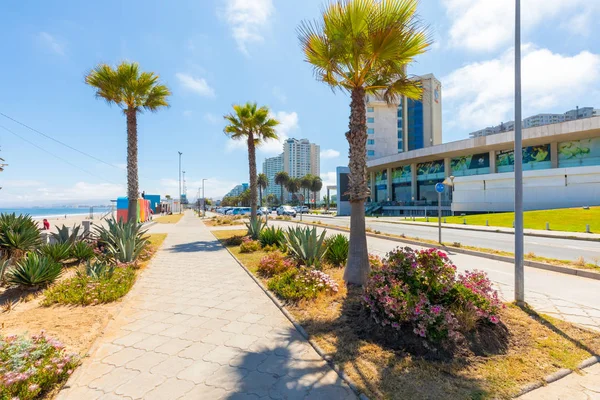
(40, 212)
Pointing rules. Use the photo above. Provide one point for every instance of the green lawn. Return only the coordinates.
(566, 219)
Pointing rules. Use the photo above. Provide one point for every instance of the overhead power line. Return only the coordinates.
(55, 156)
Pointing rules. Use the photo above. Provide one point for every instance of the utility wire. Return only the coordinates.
(58, 157)
(58, 141)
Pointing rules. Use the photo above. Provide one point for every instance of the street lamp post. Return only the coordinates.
(180, 206)
(519, 251)
(203, 200)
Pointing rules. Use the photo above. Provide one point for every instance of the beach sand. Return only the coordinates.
(70, 220)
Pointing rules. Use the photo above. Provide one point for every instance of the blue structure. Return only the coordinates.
(415, 124)
(154, 201)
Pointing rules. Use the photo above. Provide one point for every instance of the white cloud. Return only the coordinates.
(486, 25)
(51, 43)
(278, 94)
(330, 153)
(198, 85)
(481, 94)
(214, 187)
(329, 179)
(212, 118)
(247, 19)
(288, 122)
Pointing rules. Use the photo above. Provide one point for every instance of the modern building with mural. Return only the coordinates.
(561, 164)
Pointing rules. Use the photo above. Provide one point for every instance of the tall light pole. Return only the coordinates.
(203, 200)
(180, 206)
(519, 251)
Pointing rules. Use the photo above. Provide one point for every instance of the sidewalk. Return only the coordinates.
(196, 326)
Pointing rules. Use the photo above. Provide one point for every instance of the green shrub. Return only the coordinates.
(337, 250)
(304, 284)
(56, 251)
(85, 290)
(255, 226)
(273, 264)
(269, 249)
(272, 236)
(62, 234)
(124, 241)
(82, 251)
(98, 270)
(32, 367)
(305, 245)
(33, 271)
(249, 246)
(18, 235)
(233, 241)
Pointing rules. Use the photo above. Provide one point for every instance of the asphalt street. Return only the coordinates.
(562, 249)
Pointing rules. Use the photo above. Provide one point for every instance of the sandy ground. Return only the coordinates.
(70, 220)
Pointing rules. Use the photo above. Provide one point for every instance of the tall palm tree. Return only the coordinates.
(133, 91)
(262, 182)
(305, 184)
(316, 186)
(293, 185)
(253, 124)
(281, 179)
(271, 199)
(364, 48)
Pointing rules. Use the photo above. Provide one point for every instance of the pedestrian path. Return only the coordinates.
(584, 385)
(196, 326)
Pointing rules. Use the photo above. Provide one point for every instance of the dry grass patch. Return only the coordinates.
(493, 363)
(169, 219)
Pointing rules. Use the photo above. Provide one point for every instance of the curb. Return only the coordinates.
(561, 373)
(532, 264)
(343, 376)
(534, 234)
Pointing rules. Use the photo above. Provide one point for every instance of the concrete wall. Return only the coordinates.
(386, 129)
(543, 189)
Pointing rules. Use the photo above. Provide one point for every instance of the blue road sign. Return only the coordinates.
(439, 187)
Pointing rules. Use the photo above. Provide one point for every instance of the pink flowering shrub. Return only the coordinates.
(32, 366)
(298, 284)
(249, 246)
(274, 263)
(420, 289)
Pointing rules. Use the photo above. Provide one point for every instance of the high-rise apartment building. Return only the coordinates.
(236, 191)
(407, 125)
(271, 166)
(301, 157)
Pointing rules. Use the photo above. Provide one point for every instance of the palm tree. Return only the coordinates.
(271, 199)
(293, 185)
(306, 183)
(281, 179)
(133, 91)
(364, 48)
(316, 186)
(262, 182)
(253, 124)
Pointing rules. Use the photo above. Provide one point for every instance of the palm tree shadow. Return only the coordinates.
(198, 246)
(286, 371)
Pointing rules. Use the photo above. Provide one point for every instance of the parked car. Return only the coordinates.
(286, 210)
(230, 211)
(274, 208)
(245, 211)
(302, 209)
(263, 211)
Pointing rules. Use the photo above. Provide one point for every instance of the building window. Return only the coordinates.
(370, 141)
(400, 146)
(370, 120)
(370, 131)
(369, 109)
(370, 153)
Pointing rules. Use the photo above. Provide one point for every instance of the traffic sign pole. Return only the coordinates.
(439, 188)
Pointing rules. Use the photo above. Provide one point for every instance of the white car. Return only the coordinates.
(286, 210)
(263, 211)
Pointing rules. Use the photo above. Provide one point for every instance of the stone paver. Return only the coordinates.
(575, 386)
(196, 326)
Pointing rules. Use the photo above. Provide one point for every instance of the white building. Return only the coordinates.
(236, 191)
(407, 125)
(503, 127)
(301, 157)
(271, 166)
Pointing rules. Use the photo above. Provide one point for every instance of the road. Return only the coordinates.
(568, 297)
(562, 249)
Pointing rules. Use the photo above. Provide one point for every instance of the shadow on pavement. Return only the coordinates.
(198, 246)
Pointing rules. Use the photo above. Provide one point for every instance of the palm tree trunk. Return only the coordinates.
(253, 180)
(132, 165)
(260, 195)
(358, 268)
(281, 196)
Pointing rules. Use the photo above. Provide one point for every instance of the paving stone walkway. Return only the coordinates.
(196, 326)
(584, 386)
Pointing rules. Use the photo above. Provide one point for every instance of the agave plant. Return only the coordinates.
(124, 241)
(255, 226)
(98, 270)
(18, 235)
(56, 251)
(305, 245)
(271, 237)
(337, 250)
(63, 236)
(33, 271)
(82, 251)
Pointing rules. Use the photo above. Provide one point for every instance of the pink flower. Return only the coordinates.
(494, 319)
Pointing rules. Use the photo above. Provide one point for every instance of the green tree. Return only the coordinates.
(133, 91)
(253, 124)
(364, 47)
(271, 199)
(281, 179)
(262, 182)
(245, 198)
(293, 185)
(306, 183)
(316, 186)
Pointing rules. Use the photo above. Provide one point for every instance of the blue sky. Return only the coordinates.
(214, 53)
